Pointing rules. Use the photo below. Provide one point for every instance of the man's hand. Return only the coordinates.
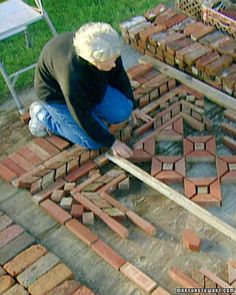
(138, 114)
(121, 149)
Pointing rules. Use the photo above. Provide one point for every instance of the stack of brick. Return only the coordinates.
(184, 43)
(28, 268)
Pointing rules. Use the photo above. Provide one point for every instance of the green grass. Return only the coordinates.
(66, 16)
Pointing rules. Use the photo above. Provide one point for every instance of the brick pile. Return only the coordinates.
(28, 268)
(229, 127)
(209, 279)
(191, 46)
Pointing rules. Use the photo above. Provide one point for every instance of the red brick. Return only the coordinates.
(5, 221)
(51, 279)
(108, 254)
(83, 291)
(160, 291)
(49, 148)
(196, 35)
(149, 146)
(114, 225)
(82, 232)
(178, 126)
(24, 259)
(191, 241)
(142, 223)
(221, 166)
(114, 202)
(148, 32)
(88, 218)
(56, 212)
(30, 156)
(112, 185)
(9, 234)
(180, 167)
(41, 153)
(229, 142)
(58, 142)
(182, 279)
(191, 57)
(84, 157)
(36, 187)
(43, 195)
(66, 288)
(191, 28)
(206, 59)
(81, 171)
(214, 68)
(175, 20)
(177, 45)
(203, 181)
(87, 203)
(211, 146)
(13, 166)
(77, 210)
(229, 177)
(169, 177)
(179, 56)
(6, 282)
(189, 188)
(230, 115)
(156, 166)
(138, 70)
(24, 181)
(193, 92)
(167, 14)
(69, 186)
(57, 195)
(151, 14)
(206, 200)
(215, 190)
(138, 277)
(20, 161)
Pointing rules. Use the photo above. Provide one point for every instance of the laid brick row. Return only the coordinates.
(187, 44)
(28, 268)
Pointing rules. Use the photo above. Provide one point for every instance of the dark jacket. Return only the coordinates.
(63, 77)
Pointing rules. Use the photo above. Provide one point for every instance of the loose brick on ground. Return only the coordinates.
(77, 210)
(30, 156)
(108, 254)
(190, 240)
(182, 279)
(88, 218)
(58, 142)
(40, 197)
(13, 166)
(82, 232)
(81, 171)
(138, 277)
(50, 280)
(66, 203)
(142, 223)
(24, 259)
(44, 144)
(57, 195)
(114, 202)
(36, 270)
(114, 225)
(56, 212)
(152, 13)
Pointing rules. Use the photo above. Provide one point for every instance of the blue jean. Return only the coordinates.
(114, 108)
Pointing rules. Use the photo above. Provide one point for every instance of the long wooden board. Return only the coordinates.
(175, 196)
(216, 96)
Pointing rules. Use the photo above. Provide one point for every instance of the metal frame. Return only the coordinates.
(11, 79)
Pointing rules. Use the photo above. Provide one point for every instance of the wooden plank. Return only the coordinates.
(211, 93)
(175, 196)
